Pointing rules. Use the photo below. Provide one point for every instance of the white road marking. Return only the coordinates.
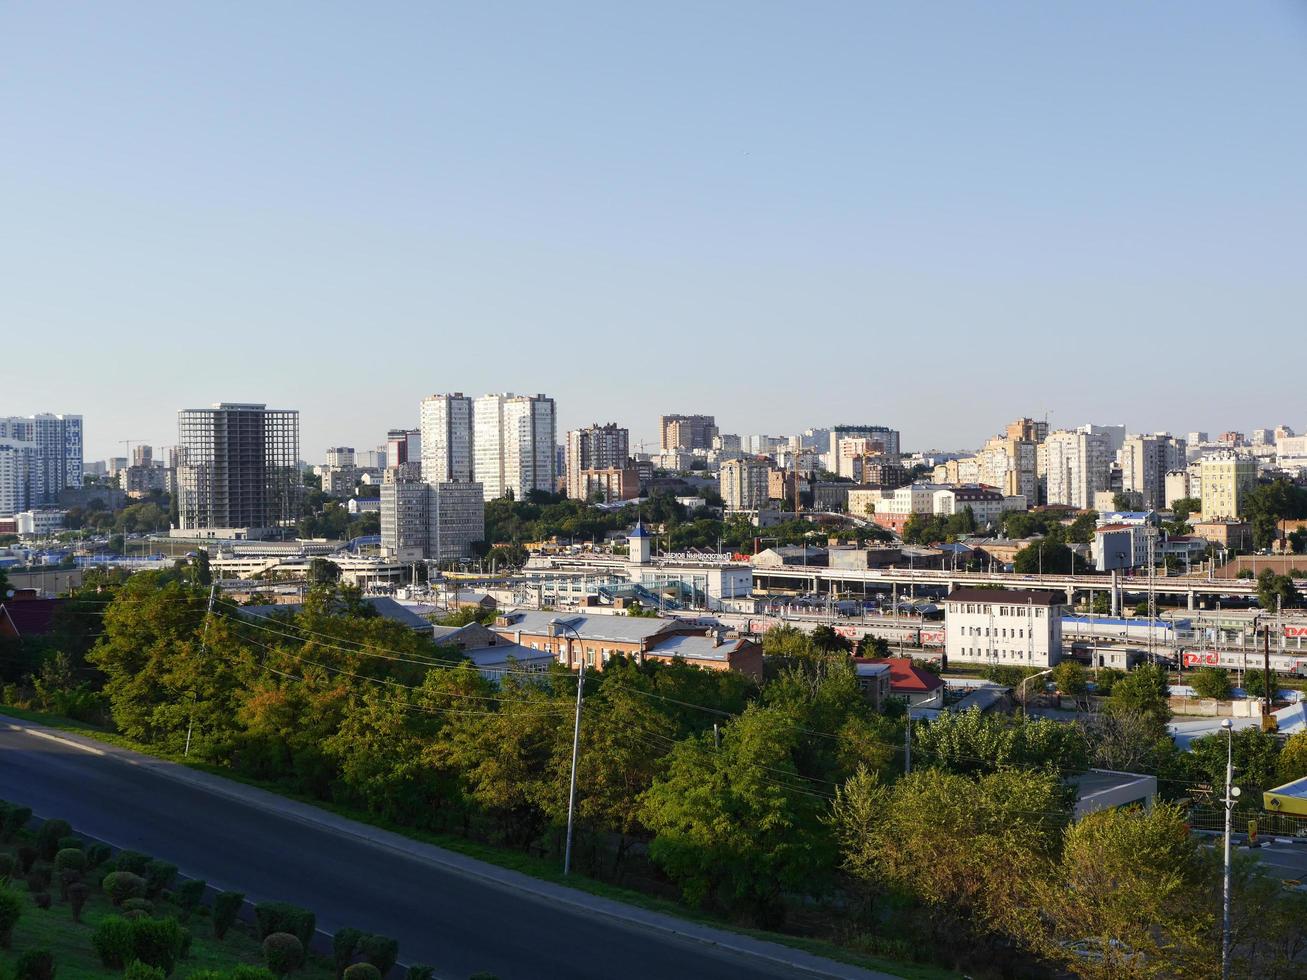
(56, 738)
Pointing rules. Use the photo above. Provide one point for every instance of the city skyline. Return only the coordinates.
(375, 435)
(890, 211)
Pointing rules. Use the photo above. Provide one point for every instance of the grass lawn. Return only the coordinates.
(531, 865)
(75, 956)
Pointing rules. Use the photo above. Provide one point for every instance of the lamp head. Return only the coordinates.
(1227, 724)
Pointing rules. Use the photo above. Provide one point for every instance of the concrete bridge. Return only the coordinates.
(1197, 592)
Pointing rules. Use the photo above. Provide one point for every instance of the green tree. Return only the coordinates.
(975, 742)
(1057, 558)
(1255, 686)
(873, 646)
(1143, 692)
(1292, 763)
(1185, 507)
(1255, 754)
(1072, 681)
(1275, 591)
(1211, 682)
(737, 826)
(825, 639)
(1126, 897)
(322, 571)
(203, 573)
(1082, 528)
(988, 842)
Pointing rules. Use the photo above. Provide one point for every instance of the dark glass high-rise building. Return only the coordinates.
(237, 470)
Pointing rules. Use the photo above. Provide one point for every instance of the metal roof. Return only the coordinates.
(618, 629)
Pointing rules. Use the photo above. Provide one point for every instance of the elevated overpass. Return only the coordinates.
(1197, 592)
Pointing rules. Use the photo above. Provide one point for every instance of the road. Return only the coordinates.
(457, 914)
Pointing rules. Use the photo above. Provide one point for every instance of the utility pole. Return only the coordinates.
(1231, 794)
(907, 745)
(576, 746)
(204, 649)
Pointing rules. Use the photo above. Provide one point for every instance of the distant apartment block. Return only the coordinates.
(1076, 465)
(1228, 477)
(597, 448)
(237, 470)
(513, 445)
(445, 422)
(686, 432)
(1145, 461)
(40, 456)
(886, 437)
(745, 484)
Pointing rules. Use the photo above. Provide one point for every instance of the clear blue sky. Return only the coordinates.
(937, 216)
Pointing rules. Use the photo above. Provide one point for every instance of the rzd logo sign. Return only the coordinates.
(1201, 658)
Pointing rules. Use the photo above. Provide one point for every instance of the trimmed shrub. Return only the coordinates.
(157, 942)
(48, 837)
(26, 857)
(70, 859)
(113, 942)
(122, 885)
(14, 819)
(72, 842)
(420, 971)
(77, 895)
(97, 854)
(270, 917)
(138, 905)
(136, 970)
(11, 910)
(362, 971)
(41, 899)
(158, 876)
(66, 880)
(188, 895)
(380, 951)
(344, 944)
(133, 861)
(283, 953)
(243, 971)
(226, 906)
(35, 964)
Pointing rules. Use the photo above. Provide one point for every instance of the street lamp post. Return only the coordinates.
(576, 744)
(1231, 794)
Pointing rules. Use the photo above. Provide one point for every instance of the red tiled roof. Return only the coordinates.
(904, 675)
(29, 617)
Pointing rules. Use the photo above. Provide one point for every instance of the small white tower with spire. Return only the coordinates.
(639, 545)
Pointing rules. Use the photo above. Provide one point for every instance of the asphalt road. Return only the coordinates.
(459, 923)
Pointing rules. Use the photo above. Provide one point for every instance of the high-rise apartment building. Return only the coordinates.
(597, 447)
(237, 470)
(887, 438)
(44, 457)
(1076, 465)
(686, 432)
(745, 484)
(1227, 479)
(1145, 461)
(513, 445)
(446, 426)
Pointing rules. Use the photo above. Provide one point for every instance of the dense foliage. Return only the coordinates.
(756, 802)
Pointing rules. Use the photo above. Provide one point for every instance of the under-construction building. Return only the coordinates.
(238, 472)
